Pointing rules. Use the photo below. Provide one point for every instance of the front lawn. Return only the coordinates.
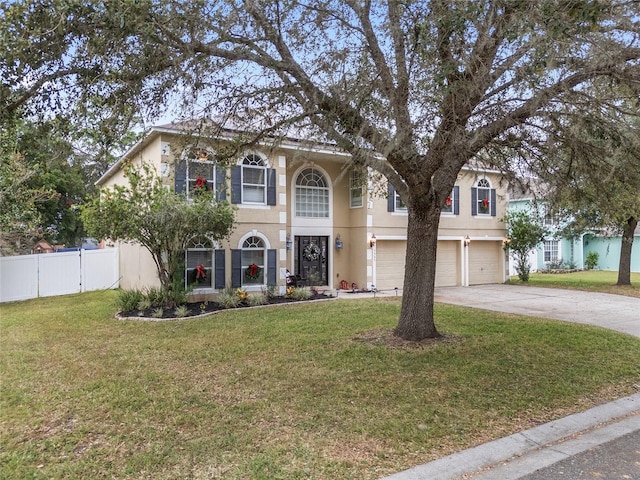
(284, 392)
(603, 281)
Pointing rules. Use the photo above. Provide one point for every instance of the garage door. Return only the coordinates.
(390, 257)
(485, 262)
(390, 264)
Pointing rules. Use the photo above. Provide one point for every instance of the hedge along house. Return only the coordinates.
(303, 209)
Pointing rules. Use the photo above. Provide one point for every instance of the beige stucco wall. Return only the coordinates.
(354, 262)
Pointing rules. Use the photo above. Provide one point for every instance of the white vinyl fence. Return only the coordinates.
(49, 274)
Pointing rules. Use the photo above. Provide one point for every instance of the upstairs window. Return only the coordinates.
(254, 179)
(197, 171)
(483, 199)
(356, 188)
(312, 194)
(394, 202)
(452, 203)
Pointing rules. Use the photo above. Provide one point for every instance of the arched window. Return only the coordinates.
(253, 261)
(198, 272)
(483, 197)
(201, 172)
(254, 179)
(312, 194)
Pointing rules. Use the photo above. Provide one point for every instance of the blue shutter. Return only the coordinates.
(180, 176)
(456, 200)
(272, 267)
(474, 201)
(391, 199)
(271, 186)
(493, 202)
(219, 266)
(236, 184)
(221, 183)
(236, 268)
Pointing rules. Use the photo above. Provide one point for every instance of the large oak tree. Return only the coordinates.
(413, 89)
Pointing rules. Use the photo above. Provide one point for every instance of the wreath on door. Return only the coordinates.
(311, 252)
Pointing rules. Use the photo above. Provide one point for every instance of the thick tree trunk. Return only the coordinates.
(416, 317)
(624, 269)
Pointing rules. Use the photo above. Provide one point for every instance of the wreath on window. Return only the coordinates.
(311, 252)
(252, 271)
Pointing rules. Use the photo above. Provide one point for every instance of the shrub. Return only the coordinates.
(144, 304)
(257, 299)
(302, 293)
(181, 311)
(270, 291)
(157, 313)
(157, 296)
(242, 294)
(591, 261)
(228, 298)
(129, 299)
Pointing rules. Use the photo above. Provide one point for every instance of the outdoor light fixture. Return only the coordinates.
(506, 241)
(338, 242)
(288, 243)
(467, 241)
(372, 242)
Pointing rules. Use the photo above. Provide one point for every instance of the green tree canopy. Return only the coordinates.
(524, 233)
(413, 89)
(161, 221)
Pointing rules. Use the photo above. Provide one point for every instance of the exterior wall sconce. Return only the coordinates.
(505, 242)
(288, 243)
(339, 244)
(467, 241)
(372, 242)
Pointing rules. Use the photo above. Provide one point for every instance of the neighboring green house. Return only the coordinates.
(556, 250)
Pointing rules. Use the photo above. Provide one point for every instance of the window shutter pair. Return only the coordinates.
(180, 180)
(236, 267)
(236, 185)
(474, 201)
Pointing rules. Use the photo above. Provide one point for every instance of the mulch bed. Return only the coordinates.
(203, 308)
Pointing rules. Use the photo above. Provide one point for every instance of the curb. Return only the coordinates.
(625, 413)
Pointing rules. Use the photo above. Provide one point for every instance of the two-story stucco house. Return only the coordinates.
(302, 209)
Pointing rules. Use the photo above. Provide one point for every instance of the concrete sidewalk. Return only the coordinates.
(603, 442)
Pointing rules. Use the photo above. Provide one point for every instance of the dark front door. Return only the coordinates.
(311, 259)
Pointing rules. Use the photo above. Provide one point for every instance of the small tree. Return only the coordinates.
(161, 221)
(524, 232)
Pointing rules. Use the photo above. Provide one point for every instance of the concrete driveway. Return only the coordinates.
(615, 312)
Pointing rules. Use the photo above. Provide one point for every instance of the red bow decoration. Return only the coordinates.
(253, 270)
(201, 182)
(448, 202)
(200, 272)
(485, 202)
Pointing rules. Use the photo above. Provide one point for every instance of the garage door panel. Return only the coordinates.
(485, 263)
(390, 261)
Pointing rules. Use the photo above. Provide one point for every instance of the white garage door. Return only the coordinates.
(390, 264)
(485, 262)
(390, 257)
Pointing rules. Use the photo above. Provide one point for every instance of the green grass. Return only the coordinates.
(591, 280)
(283, 392)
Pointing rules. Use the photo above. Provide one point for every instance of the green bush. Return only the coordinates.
(302, 293)
(181, 311)
(591, 261)
(228, 298)
(129, 299)
(157, 313)
(144, 304)
(257, 299)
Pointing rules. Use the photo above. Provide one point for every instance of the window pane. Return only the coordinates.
(253, 175)
(253, 194)
(199, 277)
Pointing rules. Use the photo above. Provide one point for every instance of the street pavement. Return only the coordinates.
(600, 443)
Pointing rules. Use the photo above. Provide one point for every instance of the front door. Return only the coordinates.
(311, 260)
